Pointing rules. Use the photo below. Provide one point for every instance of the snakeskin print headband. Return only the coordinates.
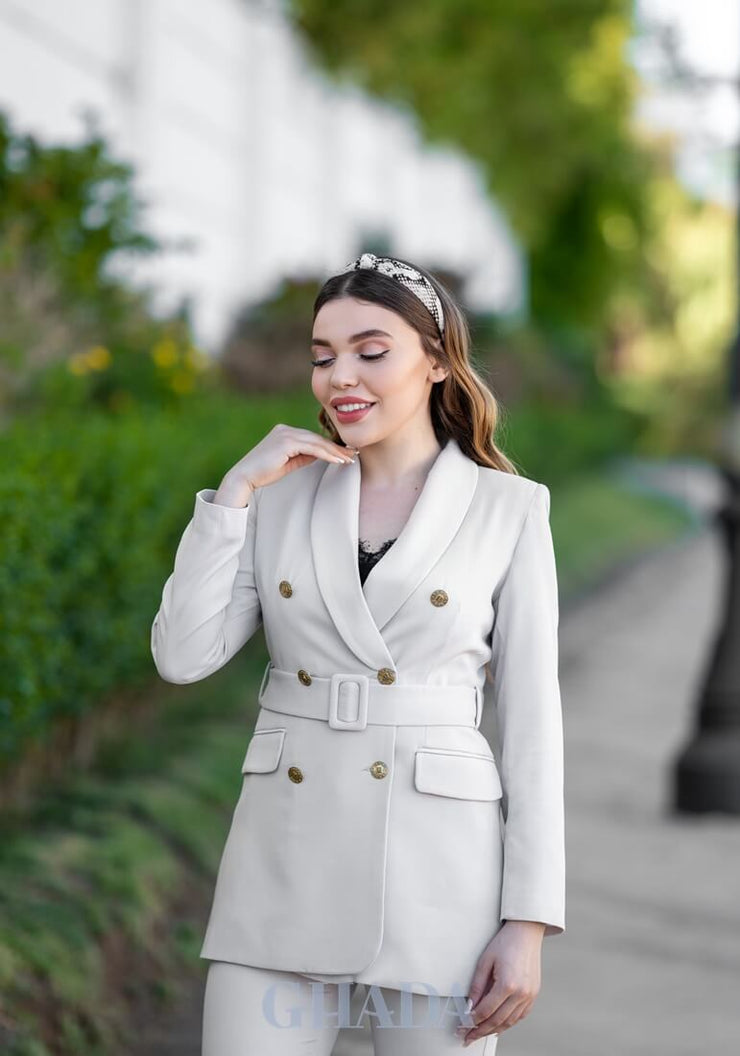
(411, 278)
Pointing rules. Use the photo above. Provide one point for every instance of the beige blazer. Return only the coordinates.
(377, 836)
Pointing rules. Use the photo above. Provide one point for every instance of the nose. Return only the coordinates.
(343, 376)
(343, 368)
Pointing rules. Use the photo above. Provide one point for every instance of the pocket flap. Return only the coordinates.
(263, 751)
(463, 775)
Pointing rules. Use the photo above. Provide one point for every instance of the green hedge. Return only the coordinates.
(93, 509)
(552, 441)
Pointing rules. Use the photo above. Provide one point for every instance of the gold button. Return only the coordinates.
(386, 676)
(304, 677)
(439, 597)
(379, 769)
(295, 774)
(285, 588)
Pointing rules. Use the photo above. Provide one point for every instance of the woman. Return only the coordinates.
(377, 838)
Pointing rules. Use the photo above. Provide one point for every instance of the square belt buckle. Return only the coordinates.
(360, 694)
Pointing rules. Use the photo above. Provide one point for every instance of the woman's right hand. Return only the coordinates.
(284, 449)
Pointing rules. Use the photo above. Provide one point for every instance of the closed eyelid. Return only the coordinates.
(354, 348)
(367, 356)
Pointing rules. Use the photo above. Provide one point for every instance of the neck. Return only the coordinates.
(394, 462)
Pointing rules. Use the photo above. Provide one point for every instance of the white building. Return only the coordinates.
(247, 150)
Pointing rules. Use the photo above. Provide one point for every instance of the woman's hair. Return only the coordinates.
(462, 406)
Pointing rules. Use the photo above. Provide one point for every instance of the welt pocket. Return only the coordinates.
(264, 751)
(461, 775)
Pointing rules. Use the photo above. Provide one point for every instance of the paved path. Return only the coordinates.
(650, 962)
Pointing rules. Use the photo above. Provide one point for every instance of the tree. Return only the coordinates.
(542, 97)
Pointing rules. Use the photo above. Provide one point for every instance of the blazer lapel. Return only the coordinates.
(361, 614)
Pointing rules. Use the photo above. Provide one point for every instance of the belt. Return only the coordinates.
(352, 701)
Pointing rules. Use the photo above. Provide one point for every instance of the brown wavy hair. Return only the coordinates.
(462, 405)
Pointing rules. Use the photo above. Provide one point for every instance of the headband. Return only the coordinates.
(411, 278)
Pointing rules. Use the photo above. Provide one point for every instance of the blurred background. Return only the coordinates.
(177, 180)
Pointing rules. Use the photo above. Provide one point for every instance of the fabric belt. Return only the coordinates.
(352, 701)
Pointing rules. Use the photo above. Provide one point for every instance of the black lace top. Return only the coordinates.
(367, 558)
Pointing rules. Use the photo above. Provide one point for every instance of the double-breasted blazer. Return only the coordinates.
(378, 835)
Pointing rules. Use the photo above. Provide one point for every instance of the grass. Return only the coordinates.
(106, 882)
(599, 522)
(91, 873)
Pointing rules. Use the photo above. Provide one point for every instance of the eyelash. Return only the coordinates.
(370, 359)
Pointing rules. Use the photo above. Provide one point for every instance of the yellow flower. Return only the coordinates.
(98, 358)
(164, 352)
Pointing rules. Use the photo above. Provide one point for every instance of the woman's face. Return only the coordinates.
(388, 368)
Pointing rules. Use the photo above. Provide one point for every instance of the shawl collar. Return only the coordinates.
(361, 612)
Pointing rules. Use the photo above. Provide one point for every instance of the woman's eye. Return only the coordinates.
(325, 362)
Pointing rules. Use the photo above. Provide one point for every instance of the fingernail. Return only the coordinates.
(469, 1004)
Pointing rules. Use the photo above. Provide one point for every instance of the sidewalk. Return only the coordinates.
(650, 960)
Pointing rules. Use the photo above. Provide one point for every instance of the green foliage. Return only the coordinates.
(553, 442)
(268, 345)
(75, 334)
(105, 877)
(559, 417)
(158, 366)
(601, 523)
(69, 208)
(541, 97)
(93, 508)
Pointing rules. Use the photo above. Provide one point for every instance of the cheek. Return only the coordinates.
(400, 389)
(392, 384)
(317, 387)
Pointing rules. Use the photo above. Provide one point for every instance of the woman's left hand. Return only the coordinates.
(506, 980)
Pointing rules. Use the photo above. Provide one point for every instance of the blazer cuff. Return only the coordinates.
(212, 518)
(554, 924)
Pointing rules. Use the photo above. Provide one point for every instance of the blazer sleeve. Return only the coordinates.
(210, 607)
(529, 723)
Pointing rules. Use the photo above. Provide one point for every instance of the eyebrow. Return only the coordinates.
(317, 341)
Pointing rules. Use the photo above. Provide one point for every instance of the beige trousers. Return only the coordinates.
(261, 1012)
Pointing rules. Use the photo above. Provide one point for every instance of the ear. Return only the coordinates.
(438, 373)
